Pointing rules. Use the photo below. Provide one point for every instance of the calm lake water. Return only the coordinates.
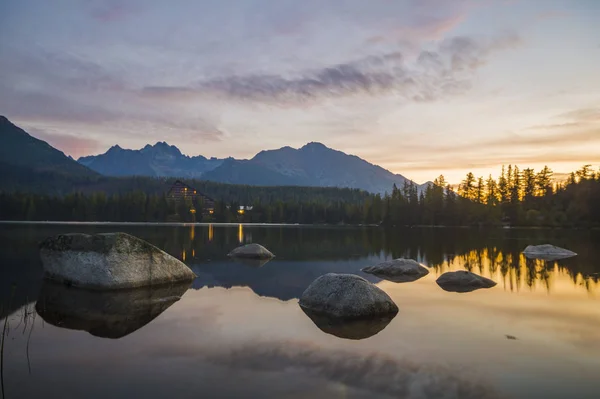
(238, 331)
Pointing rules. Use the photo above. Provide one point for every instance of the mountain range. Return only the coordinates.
(25, 158)
(313, 165)
(160, 159)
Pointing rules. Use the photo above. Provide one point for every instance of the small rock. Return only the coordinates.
(398, 270)
(547, 252)
(346, 296)
(510, 337)
(109, 261)
(251, 251)
(463, 281)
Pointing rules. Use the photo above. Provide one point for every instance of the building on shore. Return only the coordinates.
(180, 191)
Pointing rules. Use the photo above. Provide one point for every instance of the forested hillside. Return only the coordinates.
(518, 198)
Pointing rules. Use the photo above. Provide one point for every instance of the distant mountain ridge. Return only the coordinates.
(161, 160)
(313, 165)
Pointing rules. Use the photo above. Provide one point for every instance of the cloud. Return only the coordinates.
(467, 161)
(447, 70)
(552, 14)
(111, 10)
(520, 149)
(582, 115)
(376, 373)
(576, 125)
(575, 139)
(64, 90)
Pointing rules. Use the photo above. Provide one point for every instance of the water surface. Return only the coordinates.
(237, 330)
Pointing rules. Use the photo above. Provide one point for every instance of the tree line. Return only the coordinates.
(518, 197)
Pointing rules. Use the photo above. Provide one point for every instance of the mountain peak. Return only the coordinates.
(314, 145)
(22, 150)
(160, 159)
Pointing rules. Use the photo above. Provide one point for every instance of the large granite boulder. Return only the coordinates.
(463, 281)
(251, 251)
(355, 329)
(547, 252)
(346, 296)
(109, 261)
(398, 270)
(106, 314)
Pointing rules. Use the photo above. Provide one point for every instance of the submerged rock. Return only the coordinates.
(398, 270)
(106, 314)
(109, 261)
(251, 251)
(346, 296)
(350, 328)
(547, 252)
(463, 281)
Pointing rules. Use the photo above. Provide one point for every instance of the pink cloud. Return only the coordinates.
(552, 14)
(70, 145)
(111, 10)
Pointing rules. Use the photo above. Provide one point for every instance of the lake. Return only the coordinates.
(238, 331)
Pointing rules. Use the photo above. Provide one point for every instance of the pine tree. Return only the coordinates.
(492, 191)
(515, 189)
(503, 189)
(467, 187)
(544, 181)
(528, 184)
(585, 173)
(480, 191)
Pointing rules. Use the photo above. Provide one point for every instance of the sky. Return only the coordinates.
(420, 87)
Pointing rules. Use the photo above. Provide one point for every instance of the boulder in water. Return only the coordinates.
(251, 251)
(547, 252)
(346, 296)
(463, 281)
(107, 314)
(109, 261)
(398, 270)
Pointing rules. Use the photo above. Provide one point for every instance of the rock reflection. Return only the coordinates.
(349, 328)
(491, 253)
(548, 258)
(252, 262)
(105, 314)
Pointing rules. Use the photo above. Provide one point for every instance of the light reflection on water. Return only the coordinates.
(240, 333)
